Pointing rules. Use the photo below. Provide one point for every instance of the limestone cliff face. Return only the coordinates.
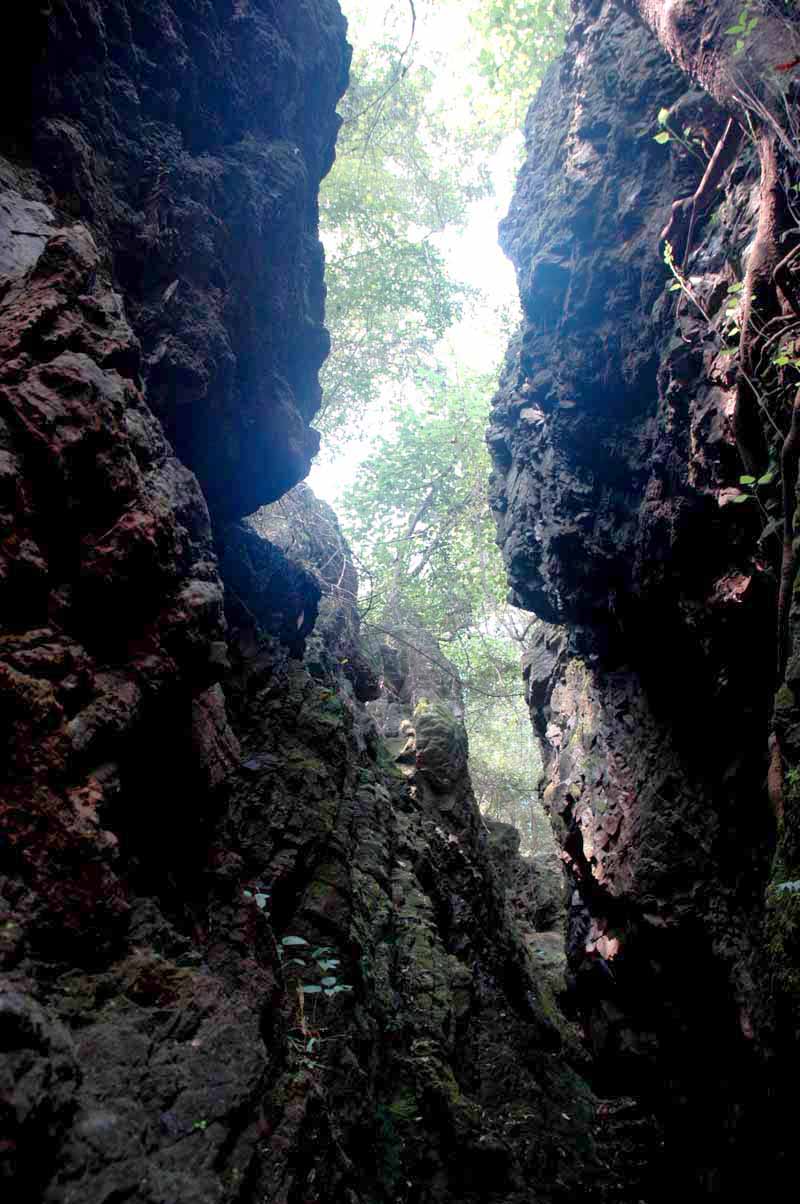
(616, 475)
(256, 943)
(191, 137)
(161, 307)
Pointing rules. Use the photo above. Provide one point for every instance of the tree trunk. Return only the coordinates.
(731, 67)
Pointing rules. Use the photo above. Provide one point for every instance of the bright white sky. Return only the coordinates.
(473, 253)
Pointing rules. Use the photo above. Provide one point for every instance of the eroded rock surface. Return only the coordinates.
(161, 303)
(616, 474)
(192, 135)
(253, 948)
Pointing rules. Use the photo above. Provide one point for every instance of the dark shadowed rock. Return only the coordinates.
(193, 136)
(615, 466)
(159, 272)
(308, 532)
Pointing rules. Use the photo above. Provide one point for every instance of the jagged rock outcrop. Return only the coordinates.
(191, 135)
(420, 1051)
(623, 525)
(306, 529)
(159, 272)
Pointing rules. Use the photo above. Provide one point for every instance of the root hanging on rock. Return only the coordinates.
(759, 304)
(688, 211)
(775, 778)
(790, 462)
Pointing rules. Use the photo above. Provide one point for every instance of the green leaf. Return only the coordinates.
(293, 940)
(329, 981)
(741, 497)
(747, 480)
(312, 990)
(664, 136)
(767, 478)
(663, 116)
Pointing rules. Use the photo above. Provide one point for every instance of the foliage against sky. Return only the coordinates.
(436, 87)
(419, 519)
(396, 183)
(520, 40)
(418, 511)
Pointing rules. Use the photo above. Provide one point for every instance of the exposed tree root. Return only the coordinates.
(790, 462)
(758, 306)
(783, 279)
(688, 211)
(775, 778)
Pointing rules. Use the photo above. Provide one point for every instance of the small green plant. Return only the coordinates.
(788, 356)
(730, 320)
(260, 895)
(305, 1040)
(680, 281)
(743, 28)
(687, 139)
(305, 1045)
(752, 484)
(749, 492)
(200, 1125)
(320, 962)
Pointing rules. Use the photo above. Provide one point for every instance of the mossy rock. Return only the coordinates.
(404, 1105)
(783, 938)
(442, 746)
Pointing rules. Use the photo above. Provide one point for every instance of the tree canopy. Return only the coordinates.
(413, 157)
(521, 38)
(402, 175)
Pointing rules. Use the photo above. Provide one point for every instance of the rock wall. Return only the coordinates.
(161, 294)
(445, 1071)
(190, 136)
(625, 528)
